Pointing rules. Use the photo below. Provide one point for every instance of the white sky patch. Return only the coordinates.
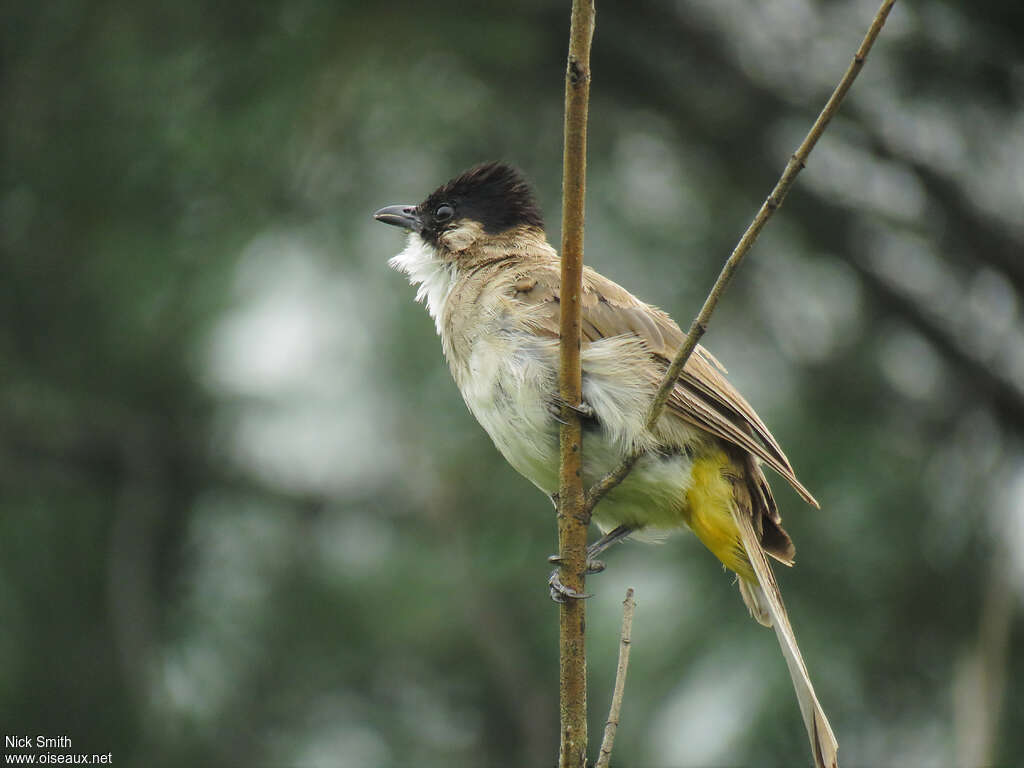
(294, 361)
(912, 266)
(996, 182)
(992, 313)
(925, 742)
(337, 745)
(979, 310)
(766, 378)
(335, 733)
(192, 682)
(709, 711)
(958, 478)
(652, 187)
(854, 176)
(353, 545)
(910, 365)
(1015, 357)
(292, 317)
(813, 306)
(929, 133)
(236, 554)
(1010, 527)
(826, 37)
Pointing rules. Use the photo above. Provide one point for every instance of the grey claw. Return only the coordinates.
(561, 593)
(556, 413)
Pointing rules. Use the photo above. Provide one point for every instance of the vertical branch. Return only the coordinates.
(572, 516)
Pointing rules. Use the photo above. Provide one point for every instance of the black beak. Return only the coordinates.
(400, 216)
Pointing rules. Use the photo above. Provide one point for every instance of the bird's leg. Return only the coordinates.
(613, 536)
(559, 592)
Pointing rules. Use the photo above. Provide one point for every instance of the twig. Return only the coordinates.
(572, 515)
(700, 323)
(979, 688)
(620, 681)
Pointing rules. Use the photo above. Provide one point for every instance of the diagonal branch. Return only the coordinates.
(700, 323)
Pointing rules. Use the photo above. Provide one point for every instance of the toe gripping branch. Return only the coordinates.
(561, 593)
(585, 410)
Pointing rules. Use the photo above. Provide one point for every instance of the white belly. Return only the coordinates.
(508, 387)
(509, 383)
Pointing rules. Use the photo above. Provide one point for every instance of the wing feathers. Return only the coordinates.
(702, 396)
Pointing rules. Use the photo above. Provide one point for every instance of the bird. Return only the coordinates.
(480, 260)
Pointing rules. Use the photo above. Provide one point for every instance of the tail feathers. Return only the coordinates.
(764, 600)
(756, 602)
(768, 524)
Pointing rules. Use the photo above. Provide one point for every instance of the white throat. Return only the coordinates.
(433, 277)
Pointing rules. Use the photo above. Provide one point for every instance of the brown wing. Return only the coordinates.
(703, 396)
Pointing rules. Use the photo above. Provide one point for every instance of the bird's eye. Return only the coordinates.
(444, 213)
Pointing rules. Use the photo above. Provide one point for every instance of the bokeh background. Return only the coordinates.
(246, 518)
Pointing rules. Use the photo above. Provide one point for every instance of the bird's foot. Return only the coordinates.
(584, 409)
(561, 593)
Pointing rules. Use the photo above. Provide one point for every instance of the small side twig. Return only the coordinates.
(771, 204)
(625, 643)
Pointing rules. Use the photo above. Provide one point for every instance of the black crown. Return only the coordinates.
(495, 194)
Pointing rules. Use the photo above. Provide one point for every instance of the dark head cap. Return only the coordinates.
(495, 195)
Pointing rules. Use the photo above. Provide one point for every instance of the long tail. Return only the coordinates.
(765, 603)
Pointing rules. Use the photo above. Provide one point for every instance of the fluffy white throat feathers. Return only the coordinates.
(433, 277)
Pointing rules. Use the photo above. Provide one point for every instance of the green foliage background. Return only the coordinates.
(245, 518)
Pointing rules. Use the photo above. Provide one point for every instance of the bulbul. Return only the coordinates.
(479, 257)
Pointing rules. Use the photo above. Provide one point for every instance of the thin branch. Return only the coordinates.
(625, 643)
(700, 323)
(572, 515)
(979, 687)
